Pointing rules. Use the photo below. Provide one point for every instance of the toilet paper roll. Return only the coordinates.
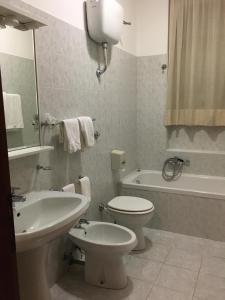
(69, 188)
(85, 187)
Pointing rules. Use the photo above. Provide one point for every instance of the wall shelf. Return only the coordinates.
(20, 153)
(193, 151)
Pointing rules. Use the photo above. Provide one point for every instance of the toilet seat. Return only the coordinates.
(130, 205)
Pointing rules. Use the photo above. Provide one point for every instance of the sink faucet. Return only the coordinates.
(15, 197)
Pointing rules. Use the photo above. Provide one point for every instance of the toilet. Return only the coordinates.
(134, 213)
(104, 244)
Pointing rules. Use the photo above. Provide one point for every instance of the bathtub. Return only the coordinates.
(192, 205)
(187, 184)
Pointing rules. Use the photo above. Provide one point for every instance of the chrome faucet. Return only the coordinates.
(84, 221)
(81, 222)
(15, 197)
(40, 167)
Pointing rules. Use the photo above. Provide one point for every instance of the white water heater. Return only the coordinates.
(105, 21)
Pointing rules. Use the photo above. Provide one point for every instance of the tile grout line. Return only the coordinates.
(197, 278)
(154, 281)
(163, 263)
(181, 267)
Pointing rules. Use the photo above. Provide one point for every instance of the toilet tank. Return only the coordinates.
(104, 20)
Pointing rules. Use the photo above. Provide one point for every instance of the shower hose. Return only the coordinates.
(172, 168)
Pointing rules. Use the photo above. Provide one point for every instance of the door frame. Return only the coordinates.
(9, 289)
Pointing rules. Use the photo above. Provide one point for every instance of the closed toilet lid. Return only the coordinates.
(131, 204)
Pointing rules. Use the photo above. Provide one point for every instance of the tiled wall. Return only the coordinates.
(154, 139)
(68, 87)
(67, 61)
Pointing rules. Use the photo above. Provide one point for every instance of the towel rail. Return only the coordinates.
(52, 125)
(47, 124)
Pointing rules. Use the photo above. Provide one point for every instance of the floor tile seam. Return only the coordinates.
(141, 279)
(181, 267)
(144, 280)
(204, 256)
(148, 259)
(155, 282)
(157, 277)
(152, 259)
(213, 256)
(167, 255)
(149, 293)
(210, 274)
(171, 289)
(189, 251)
(196, 282)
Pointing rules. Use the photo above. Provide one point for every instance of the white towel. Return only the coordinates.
(13, 111)
(69, 188)
(70, 135)
(87, 130)
(85, 187)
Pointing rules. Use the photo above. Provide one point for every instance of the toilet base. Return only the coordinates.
(140, 239)
(105, 272)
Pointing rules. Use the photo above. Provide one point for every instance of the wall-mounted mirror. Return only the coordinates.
(18, 71)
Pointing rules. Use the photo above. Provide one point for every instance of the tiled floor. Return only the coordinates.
(173, 267)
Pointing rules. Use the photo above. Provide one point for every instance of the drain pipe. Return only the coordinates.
(100, 71)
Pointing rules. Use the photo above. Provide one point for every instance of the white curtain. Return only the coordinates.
(196, 73)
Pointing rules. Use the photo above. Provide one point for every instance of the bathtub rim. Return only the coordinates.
(126, 182)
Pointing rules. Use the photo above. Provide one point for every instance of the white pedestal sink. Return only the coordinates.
(43, 217)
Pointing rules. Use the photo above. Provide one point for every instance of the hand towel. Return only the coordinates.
(87, 131)
(85, 187)
(70, 135)
(13, 111)
(69, 188)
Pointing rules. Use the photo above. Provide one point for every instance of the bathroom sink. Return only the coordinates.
(46, 215)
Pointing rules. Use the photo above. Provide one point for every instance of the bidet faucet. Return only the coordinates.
(81, 222)
(84, 221)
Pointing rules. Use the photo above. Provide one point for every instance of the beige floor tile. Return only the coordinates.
(142, 269)
(136, 290)
(154, 251)
(178, 279)
(68, 289)
(213, 266)
(184, 259)
(159, 236)
(160, 293)
(151, 279)
(213, 248)
(189, 243)
(210, 288)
